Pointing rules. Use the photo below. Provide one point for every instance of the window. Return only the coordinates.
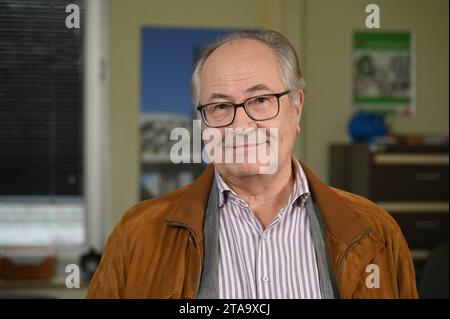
(41, 125)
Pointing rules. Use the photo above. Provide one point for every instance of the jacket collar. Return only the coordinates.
(340, 220)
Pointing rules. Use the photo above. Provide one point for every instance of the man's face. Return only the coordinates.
(235, 72)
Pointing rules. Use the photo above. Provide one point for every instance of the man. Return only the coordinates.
(240, 232)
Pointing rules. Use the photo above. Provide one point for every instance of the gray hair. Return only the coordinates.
(288, 64)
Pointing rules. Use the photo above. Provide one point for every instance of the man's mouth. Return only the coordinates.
(244, 146)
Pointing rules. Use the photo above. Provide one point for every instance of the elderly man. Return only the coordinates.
(237, 232)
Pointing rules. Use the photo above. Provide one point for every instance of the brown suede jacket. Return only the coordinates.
(157, 249)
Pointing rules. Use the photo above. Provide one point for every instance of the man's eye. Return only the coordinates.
(219, 107)
(261, 99)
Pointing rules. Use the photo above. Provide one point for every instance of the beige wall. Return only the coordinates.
(329, 26)
(321, 32)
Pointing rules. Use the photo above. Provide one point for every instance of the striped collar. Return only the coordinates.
(298, 195)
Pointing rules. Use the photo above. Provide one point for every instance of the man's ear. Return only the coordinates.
(300, 98)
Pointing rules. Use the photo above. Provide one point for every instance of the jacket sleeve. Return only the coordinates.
(109, 279)
(406, 279)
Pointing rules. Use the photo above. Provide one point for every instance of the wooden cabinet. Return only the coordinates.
(409, 182)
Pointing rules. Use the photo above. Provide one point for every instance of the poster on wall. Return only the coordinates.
(383, 72)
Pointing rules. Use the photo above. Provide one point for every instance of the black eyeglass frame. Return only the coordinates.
(236, 106)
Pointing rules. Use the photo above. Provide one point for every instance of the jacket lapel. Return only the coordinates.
(350, 240)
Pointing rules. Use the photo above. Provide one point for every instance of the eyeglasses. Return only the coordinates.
(258, 108)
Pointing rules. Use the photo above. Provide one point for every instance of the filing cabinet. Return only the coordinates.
(409, 181)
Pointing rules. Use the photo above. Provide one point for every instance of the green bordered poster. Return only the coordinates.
(383, 72)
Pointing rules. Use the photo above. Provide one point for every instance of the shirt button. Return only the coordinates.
(265, 279)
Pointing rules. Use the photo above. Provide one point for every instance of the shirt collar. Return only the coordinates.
(298, 195)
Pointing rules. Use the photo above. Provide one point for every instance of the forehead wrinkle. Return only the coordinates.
(230, 77)
(220, 91)
(248, 80)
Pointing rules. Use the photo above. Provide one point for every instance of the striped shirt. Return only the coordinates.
(276, 262)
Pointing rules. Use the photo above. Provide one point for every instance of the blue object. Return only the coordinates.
(365, 127)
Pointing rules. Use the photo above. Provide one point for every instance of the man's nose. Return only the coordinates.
(242, 120)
